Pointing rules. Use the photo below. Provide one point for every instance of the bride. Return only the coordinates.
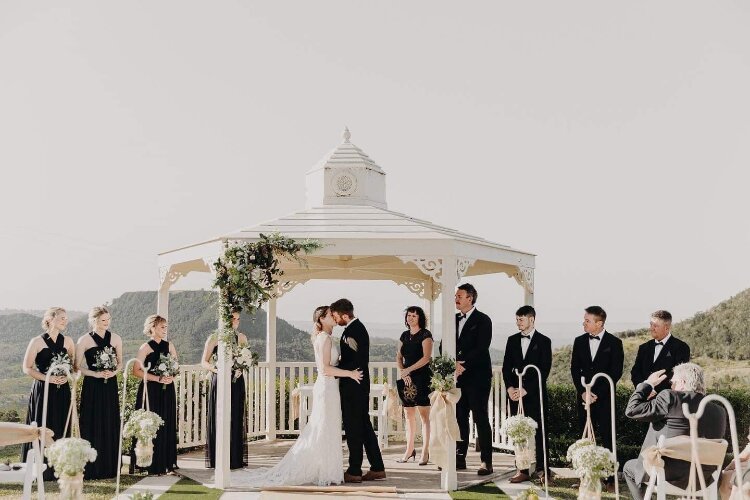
(316, 456)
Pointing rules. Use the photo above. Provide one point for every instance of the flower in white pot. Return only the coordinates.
(68, 456)
(142, 426)
(521, 430)
(592, 464)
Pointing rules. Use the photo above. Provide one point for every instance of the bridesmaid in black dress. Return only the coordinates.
(99, 415)
(36, 362)
(413, 359)
(161, 401)
(238, 450)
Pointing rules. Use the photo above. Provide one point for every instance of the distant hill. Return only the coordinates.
(719, 340)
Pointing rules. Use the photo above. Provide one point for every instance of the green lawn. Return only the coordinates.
(487, 490)
(92, 490)
(187, 488)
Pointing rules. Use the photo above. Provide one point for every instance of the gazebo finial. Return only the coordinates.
(346, 135)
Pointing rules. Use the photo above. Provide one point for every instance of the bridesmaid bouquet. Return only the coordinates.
(167, 367)
(106, 360)
(443, 373)
(142, 426)
(242, 359)
(60, 361)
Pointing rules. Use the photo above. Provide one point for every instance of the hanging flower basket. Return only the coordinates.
(68, 456)
(71, 487)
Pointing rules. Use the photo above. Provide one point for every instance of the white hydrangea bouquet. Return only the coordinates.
(591, 463)
(167, 367)
(106, 360)
(68, 456)
(59, 362)
(521, 430)
(242, 359)
(142, 426)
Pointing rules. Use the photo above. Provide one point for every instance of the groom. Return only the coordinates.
(355, 354)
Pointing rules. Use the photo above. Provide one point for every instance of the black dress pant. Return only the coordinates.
(601, 419)
(359, 431)
(475, 396)
(532, 409)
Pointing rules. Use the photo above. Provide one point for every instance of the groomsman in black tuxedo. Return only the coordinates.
(597, 351)
(474, 376)
(662, 352)
(528, 347)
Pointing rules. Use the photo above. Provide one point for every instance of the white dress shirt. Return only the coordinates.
(526, 342)
(594, 344)
(463, 321)
(658, 347)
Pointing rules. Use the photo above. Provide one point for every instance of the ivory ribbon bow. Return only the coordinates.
(13, 433)
(443, 419)
(294, 403)
(711, 452)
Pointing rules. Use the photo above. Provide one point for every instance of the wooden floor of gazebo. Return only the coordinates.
(403, 477)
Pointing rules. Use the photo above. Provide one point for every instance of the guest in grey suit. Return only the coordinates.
(664, 413)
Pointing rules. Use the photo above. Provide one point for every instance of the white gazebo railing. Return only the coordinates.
(193, 386)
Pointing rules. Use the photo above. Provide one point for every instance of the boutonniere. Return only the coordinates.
(351, 343)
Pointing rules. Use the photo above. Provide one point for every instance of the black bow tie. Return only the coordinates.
(524, 336)
(460, 316)
(594, 337)
(659, 343)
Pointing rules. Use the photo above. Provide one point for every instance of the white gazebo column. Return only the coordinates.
(449, 280)
(271, 370)
(167, 277)
(223, 416)
(525, 277)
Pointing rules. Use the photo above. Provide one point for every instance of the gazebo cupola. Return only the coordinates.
(346, 176)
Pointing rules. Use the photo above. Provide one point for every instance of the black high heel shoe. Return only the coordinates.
(425, 460)
(412, 456)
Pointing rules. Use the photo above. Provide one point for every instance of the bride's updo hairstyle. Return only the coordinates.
(320, 312)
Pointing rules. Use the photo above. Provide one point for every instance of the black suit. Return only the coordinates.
(674, 352)
(473, 348)
(664, 412)
(609, 359)
(355, 399)
(539, 354)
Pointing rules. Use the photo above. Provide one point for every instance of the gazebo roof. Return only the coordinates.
(362, 239)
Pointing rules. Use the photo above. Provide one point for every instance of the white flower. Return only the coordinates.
(162, 367)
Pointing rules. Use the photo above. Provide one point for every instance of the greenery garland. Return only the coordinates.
(247, 275)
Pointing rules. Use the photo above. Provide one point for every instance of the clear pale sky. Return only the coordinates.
(612, 139)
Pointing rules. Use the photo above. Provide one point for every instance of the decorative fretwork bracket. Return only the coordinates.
(525, 277)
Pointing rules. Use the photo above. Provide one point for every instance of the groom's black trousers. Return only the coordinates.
(359, 431)
(474, 398)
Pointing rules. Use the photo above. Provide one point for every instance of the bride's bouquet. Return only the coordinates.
(167, 367)
(106, 360)
(242, 359)
(59, 362)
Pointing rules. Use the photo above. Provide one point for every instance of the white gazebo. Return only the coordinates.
(346, 211)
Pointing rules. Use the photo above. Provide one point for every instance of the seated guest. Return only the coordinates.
(662, 352)
(665, 416)
(728, 481)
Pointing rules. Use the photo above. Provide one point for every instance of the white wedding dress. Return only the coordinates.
(316, 456)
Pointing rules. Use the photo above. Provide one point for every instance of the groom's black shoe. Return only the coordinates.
(460, 462)
(349, 478)
(372, 475)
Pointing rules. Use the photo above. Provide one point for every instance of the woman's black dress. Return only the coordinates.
(162, 402)
(58, 400)
(99, 415)
(238, 450)
(411, 350)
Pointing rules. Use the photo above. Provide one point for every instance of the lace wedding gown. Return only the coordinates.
(316, 456)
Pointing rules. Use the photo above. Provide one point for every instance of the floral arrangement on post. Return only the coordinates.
(591, 463)
(247, 275)
(443, 401)
(69, 456)
(443, 370)
(521, 430)
(142, 426)
(167, 367)
(59, 362)
(106, 360)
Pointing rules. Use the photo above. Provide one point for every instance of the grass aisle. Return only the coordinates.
(93, 490)
(187, 488)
